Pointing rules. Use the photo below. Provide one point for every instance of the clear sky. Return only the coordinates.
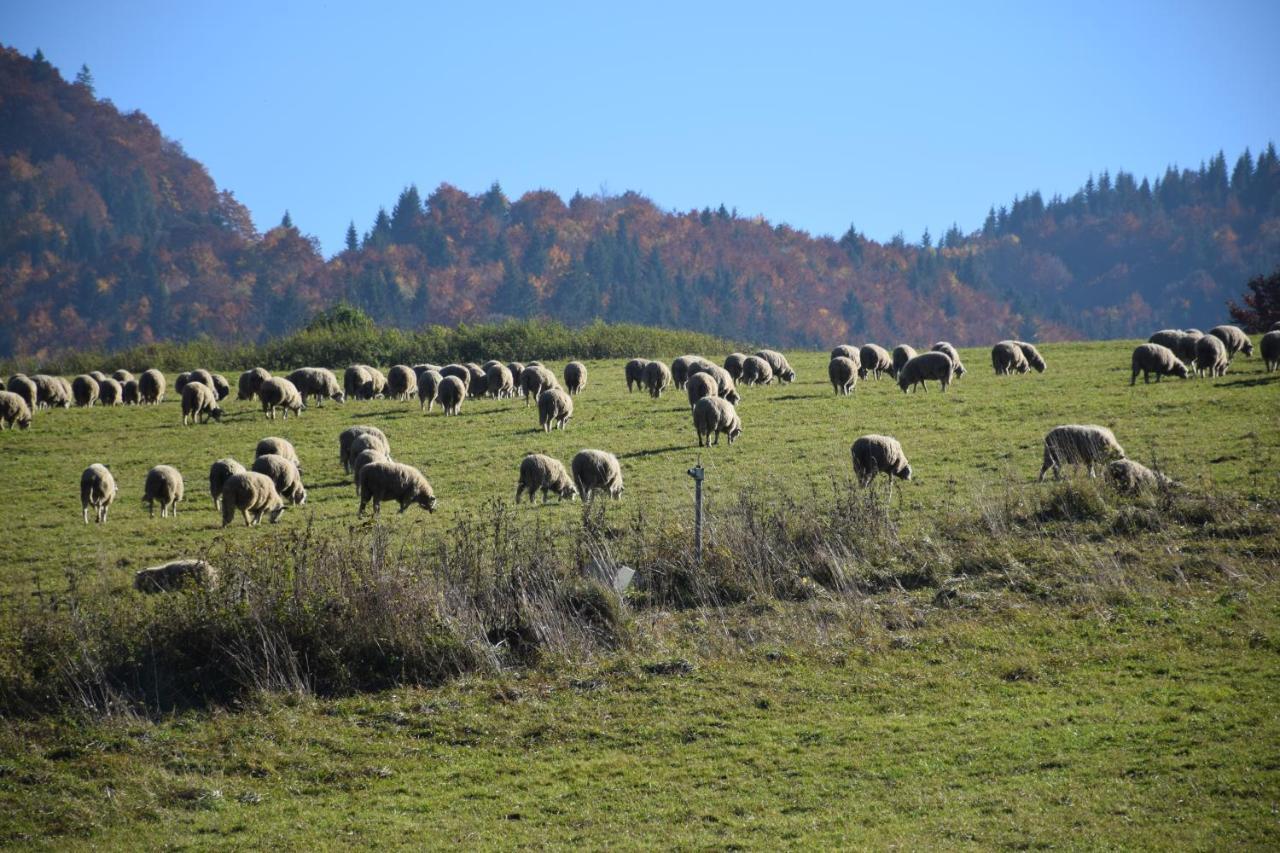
(890, 116)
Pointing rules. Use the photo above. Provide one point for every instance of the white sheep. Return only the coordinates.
(109, 392)
(943, 346)
(451, 393)
(1211, 356)
(1007, 358)
(97, 490)
(14, 410)
(1153, 358)
(928, 365)
(285, 475)
(250, 381)
(499, 383)
(843, 373)
(1233, 339)
(713, 416)
(84, 389)
(555, 407)
(657, 376)
(700, 385)
(199, 404)
(635, 373)
(1033, 356)
(596, 470)
(1271, 350)
(875, 360)
(279, 446)
(756, 371)
(176, 575)
(151, 386)
(539, 472)
(219, 472)
(402, 382)
(1131, 477)
(279, 393)
(575, 377)
(25, 388)
(163, 486)
(879, 454)
(348, 436)
(733, 364)
(318, 382)
(1079, 444)
(366, 456)
(393, 481)
(428, 389)
(251, 494)
(778, 364)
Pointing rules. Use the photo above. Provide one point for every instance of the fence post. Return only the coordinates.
(696, 473)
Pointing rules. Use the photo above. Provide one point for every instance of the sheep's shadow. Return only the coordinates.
(653, 451)
(1248, 383)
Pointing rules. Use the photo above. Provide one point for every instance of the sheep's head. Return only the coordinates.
(1179, 370)
(903, 473)
(733, 397)
(787, 375)
(276, 512)
(300, 496)
(903, 383)
(426, 500)
(24, 423)
(1248, 348)
(568, 492)
(216, 413)
(339, 397)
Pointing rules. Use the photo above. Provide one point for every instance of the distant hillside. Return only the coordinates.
(111, 236)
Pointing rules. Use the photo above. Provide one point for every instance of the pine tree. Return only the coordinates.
(353, 239)
(286, 221)
(926, 239)
(405, 216)
(381, 234)
(84, 79)
(1242, 173)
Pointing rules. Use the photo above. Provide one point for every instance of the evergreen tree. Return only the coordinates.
(353, 239)
(84, 79)
(380, 236)
(926, 240)
(851, 242)
(1242, 173)
(989, 225)
(286, 221)
(405, 216)
(853, 313)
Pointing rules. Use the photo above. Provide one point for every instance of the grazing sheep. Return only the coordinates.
(1034, 358)
(1131, 477)
(180, 381)
(347, 438)
(377, 383)
(733, 364)
(367, 441)
(928, 365)
(843, 373)
(575, 377)
(318, 382)
(534, 380)
(539, 472)
(392, 481)
(1007, 358)
(879, 454)
(122, 376)
(700, 385)
(279, 446)
(1271, 350)
(366, 456)
(176, 575)
(109, 392)
(516, 369)
(1153, 358)
(84, 388)
(725, 386)
(635, 373)
(163, 486)
(499, 382)
(251, 494)
(402, 382)
(479, 385)
(756, 371)
(97, 375)
(943, 346)
(713, 416)
(459, 372)
(284, 473)
(555, 407)
(846, 351)
(597, 471)
(1079, 444)
(199, 403)
(1195, 333)
(203, 376)
(875, 360)
(97, 490)
(657, 376)
(219, 472)
(356, 382)
(221, 386)
(279, 393)
(419, 369)
(1234, 340)
(14, 410)
(129, 394)
(1211, 356)
(451, 393)
(151, 386)
(1182, 344)
(428, 389)
(778, 364)
(50, 392)
(902, 353)
(681, 368)
(25, 388)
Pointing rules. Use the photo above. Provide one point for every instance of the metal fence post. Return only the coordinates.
(697, 473)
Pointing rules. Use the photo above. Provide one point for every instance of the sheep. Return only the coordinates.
(347, 438)
(1195, 333)
(252, 494)
(901, 354)
(1275, 327)
(219, 472)
(657, 376)
(713, 416)
(1211, 356)
(778, 364)
(109, 392)
(555, 407)
(25, 388)
(163, 486)
(97, 375)
(392, 481)
(733, 364)
(846, 351)
(1234, 339)
(199, 403)
(97, 490)
(420, 369)
(1034, 358)
(221, 386)
(377, 383)
(367, 456)
(943, 346)
(151, 386)
(680, 368)
(700, 385)
(129, 394)
(14, 410)
(279, 446)
(1153, 358)
(318, 382)
(1078, 444)
(1007, 358)
(1131, 477)
(534, 380)
(51, 391)
(875, 360)
(575, 377)
(516, 369)
(180, 381)
(355, 380)
(367, 441)
(460, 372)
(451, 393)
(478, 386)
(84, 389)
(428, 388)
(284, 473)
(725, 386)
(203, 376)
(597, 471)
(499, 382)
(122, 376)
(928, 365)
(176, 575)
(539, 472)
(843, 373)
(756, 371)
(279, 393)
(879, 454)
(1271, 350)
(1182, 344)
(402, 382)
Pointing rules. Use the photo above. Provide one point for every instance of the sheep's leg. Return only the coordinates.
(1048, 463)
(86, 513)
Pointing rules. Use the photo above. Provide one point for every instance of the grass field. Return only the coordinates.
(1097, 680)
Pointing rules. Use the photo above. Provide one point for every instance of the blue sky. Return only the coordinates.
(817, 115)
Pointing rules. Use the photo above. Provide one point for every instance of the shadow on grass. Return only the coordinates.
(654, 451)
(1249, 383)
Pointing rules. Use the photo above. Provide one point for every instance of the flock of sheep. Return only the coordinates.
(1186, 352)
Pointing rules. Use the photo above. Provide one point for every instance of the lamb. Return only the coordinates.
(843, 373)
(97, 490)
(575, 377)
(14, 410)
(51, 391)
(680, 368)
(555, 407)
(499, 382)
(451, 393)
(846, 351)
(284, 473)
(479, 385)
(1007, 358)
(657, 376)
(1234, 340)
(1211, 356)
(928, 365)
(176, 575)
(25, 388)
(318, 382)
(534, 380)
(122, 376)
(402, 382)
(756, 371)
(778, 364)
(151, 386)
(713, 416)
(428, 387)
(357, 381)
(875, 360)
(219, 472)
(129, 394)
(1131, 477)
(252, 494)
(597, 471)
(279, 446)
(279, 393)
(539, 472)
(348, 436)
(1079, 444)
(110, 392)
(84, 388)
(199, 403)
(943, 346)
(366, 456)
(1153, 358)
(700, 385)
(879, 454)
(1271, 350)
(733, 364)
(163, 486)
(221, 386)
(392, 481)
(1180, 343)
(902, 353)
